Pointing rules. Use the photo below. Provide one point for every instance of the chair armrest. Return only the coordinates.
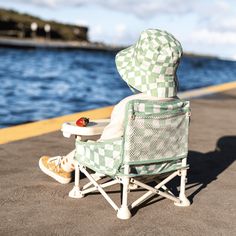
(94, 127)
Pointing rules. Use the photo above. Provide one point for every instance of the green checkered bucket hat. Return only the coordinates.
(150, 65)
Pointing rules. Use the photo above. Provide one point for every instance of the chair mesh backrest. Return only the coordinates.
(156, 131)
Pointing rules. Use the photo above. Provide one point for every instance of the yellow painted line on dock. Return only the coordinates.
(46, 126)
(24, 131)
(208, 90)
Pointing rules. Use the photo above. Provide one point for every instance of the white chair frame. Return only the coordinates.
(123, 212)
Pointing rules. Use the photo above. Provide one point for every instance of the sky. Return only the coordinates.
(202, 26)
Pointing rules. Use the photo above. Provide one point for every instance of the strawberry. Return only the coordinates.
(82, 122)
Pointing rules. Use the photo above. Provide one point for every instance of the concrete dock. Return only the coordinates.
(32, 203)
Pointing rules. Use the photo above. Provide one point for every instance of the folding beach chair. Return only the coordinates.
(154, 145)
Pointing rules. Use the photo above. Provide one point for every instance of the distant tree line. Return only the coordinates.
(14, 24)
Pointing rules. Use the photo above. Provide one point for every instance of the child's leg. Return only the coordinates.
(67, 162)
(60, 167)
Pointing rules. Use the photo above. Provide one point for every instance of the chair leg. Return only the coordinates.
(182, 197)
(124, 212)
(76, 192)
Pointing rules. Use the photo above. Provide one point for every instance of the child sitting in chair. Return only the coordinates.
(149, 68)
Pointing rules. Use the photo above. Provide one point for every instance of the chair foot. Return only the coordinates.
(133, 186)
(184, 202)
(124, 213)
(76, 193)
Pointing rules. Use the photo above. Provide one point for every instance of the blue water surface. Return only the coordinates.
(40, 84)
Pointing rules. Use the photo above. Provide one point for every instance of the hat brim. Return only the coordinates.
(142, 80)
(126, 66)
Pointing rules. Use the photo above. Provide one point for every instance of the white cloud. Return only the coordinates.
(45, 3)
(120, 30)
(143, 9)
(223, 24)
(97, 29)
(81, 22)
(97, 32)
(206, 36)
(234, 57)
(222, 5)
(147, 8)
(117, 35)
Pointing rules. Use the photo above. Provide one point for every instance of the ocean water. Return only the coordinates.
(40, 84)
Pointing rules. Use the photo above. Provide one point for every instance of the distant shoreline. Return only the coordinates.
(55, 44)
(7, 42)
